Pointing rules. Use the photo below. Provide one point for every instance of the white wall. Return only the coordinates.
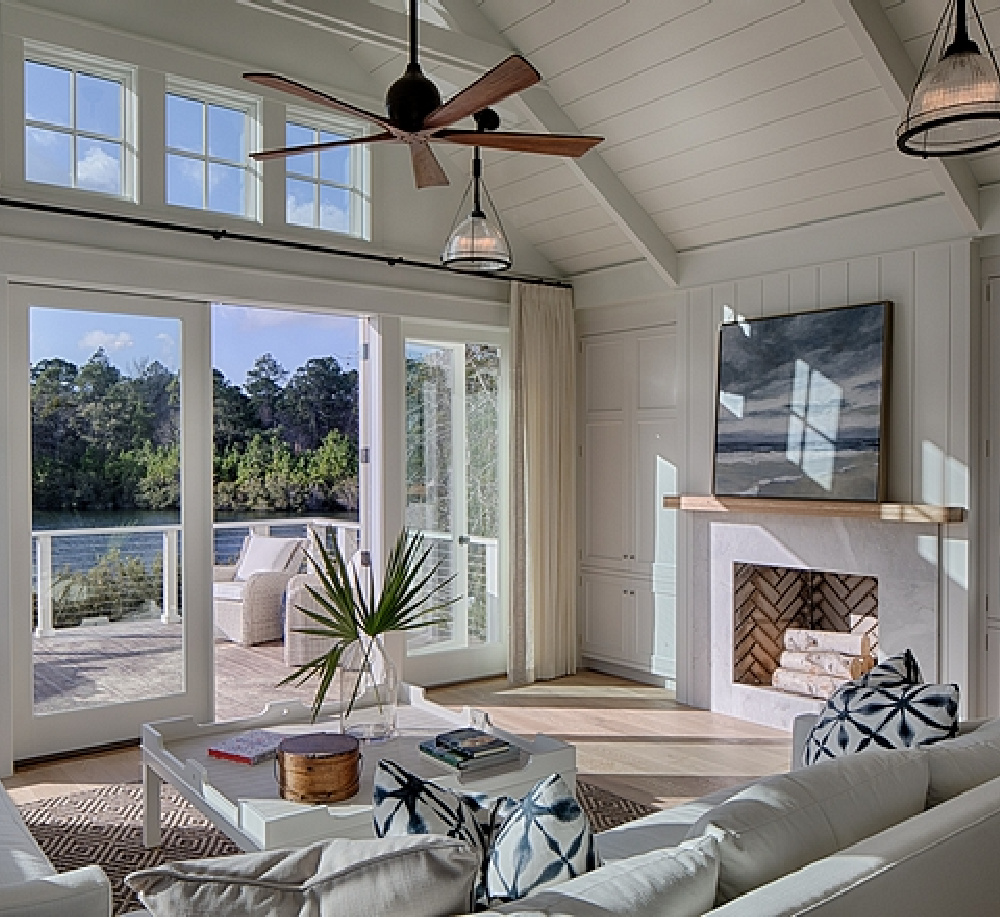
(933, 400)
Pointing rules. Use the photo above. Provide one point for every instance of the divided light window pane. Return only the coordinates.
(319, 186)
(207, 160)
(74, 134)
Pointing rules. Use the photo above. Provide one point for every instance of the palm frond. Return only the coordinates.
(412, 596)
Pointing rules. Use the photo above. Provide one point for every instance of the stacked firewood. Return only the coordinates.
(817, 662)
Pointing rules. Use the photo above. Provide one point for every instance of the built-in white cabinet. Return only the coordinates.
(630, 446)
(993, 668)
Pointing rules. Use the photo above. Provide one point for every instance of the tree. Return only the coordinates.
(264, 386)
(235, 418)
(319, 397)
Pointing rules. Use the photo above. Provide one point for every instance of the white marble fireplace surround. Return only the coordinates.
(896, 554)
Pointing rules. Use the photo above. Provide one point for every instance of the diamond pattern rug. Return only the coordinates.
(104, 826)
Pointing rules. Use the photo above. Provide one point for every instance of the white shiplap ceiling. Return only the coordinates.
(723, 119)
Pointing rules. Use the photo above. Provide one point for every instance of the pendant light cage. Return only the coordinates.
(955, 105)
(478, 242)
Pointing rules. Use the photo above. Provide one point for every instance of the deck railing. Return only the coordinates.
(143, 539)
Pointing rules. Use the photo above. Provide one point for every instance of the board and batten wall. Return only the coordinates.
(933, 411)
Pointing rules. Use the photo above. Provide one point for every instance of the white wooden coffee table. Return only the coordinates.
(243, 801)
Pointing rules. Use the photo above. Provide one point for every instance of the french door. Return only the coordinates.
(109, 426)
(456, 455)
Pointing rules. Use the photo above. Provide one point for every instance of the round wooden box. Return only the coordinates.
(318, 767)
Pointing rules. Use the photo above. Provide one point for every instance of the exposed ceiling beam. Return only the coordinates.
(472, 54)
(882, 48)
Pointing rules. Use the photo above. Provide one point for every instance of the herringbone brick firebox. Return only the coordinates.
(768, 600)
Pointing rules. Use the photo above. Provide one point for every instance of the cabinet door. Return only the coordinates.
(604, 614)
(605, 540)
(655, 474)
(604, 373)
(993, 670)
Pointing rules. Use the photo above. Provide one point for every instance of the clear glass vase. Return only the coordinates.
(369, 692)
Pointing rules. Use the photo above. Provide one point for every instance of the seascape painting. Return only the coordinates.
(801, 409)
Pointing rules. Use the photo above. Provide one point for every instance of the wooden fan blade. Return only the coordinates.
(548, 144)
(506, 78)
(286, 151)
(427, 171)
(284, 84)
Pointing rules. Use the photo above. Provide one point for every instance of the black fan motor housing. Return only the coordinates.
(411, 99)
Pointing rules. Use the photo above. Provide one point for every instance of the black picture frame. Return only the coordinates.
(802, 405)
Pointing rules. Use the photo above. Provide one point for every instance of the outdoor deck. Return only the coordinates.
(95, 666)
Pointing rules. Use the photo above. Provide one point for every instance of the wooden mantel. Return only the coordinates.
(883, 512)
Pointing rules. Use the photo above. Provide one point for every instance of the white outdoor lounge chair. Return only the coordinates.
(247, 595)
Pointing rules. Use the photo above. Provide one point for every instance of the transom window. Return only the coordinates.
(207, 153)
(326, 189)
(78, 124)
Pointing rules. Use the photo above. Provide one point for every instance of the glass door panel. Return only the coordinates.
(106, 508)
(453, 456)
(109, 526)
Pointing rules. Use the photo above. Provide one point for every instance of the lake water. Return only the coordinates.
(79, 552)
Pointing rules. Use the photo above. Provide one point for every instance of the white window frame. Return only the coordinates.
(251, 106)
(91, 65)
(360, 186)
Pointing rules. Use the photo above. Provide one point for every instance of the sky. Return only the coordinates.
(240, 334)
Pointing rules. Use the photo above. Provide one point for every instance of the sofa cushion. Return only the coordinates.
(265, 554)
(673, 882)
(860, 716)
(417, 876)
(543, 838)
(963, 763)
(942, 861)
(781, 823)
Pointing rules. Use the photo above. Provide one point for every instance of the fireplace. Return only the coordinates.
(769, 600)
(900, 558)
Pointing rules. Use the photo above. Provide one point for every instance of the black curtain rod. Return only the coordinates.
(219, 234)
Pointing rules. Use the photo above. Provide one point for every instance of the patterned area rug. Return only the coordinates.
(104, 826)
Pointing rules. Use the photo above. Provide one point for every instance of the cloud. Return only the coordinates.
(112, 343)
(99, 171)
(298, 212)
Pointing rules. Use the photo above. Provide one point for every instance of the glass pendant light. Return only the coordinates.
(475, 244)
(955, 107)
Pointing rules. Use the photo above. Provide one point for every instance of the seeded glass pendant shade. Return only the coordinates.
(476, 244)
(955, 107)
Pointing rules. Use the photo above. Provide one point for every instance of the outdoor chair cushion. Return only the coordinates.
(229, 592)
(264, 554)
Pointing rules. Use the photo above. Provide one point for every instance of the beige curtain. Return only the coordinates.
(543, 484)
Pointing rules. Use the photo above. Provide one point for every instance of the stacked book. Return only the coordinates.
(470, 749)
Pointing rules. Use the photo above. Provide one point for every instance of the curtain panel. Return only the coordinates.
(543, 641)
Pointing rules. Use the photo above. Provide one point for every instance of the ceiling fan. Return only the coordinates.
(415, 115)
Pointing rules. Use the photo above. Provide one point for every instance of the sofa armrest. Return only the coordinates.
(801, 727)
(82, 892)
(224, 573)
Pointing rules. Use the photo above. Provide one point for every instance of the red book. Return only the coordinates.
(248, 747)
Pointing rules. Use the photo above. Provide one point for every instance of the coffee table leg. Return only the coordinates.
(151, 784)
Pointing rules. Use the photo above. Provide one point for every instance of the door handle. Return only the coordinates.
(464, 539)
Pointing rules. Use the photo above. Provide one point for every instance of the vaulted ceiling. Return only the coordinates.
(723, 119)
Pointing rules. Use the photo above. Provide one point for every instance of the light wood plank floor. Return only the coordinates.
(631, 738)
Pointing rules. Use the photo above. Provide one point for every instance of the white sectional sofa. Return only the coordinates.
(841, 838)
(30, 886)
